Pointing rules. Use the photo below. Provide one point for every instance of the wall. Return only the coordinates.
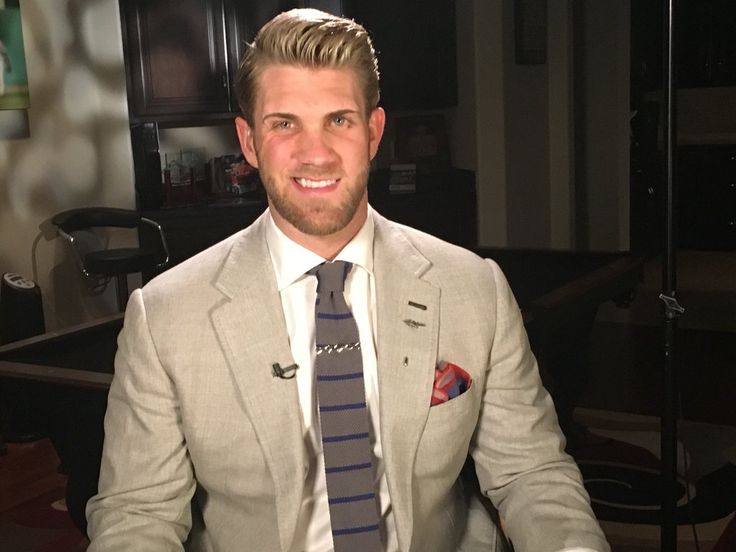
(77, 150)
(527, 145)
(515, 126)
(602, 98)
(488, 28)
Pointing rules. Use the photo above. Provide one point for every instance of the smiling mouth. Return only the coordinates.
(315, 184)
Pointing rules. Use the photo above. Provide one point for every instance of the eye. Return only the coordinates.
(339, 120)
(283, 125)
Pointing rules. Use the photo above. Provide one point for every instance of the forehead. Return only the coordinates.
(293, 88)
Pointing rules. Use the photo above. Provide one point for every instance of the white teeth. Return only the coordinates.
(306, 183)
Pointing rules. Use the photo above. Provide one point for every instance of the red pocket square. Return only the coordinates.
(449, 381)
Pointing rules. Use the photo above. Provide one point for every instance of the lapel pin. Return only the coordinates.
(413, 323)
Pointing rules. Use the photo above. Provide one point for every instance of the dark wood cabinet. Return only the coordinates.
(242, 21)
(707, 43)
(176, 56)
(416, 45)
(707, 197)
(182, 55)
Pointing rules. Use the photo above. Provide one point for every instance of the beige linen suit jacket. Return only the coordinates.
(195, 413)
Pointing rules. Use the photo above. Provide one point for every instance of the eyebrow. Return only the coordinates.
(343, 112)
(278, 115)
(292, 116)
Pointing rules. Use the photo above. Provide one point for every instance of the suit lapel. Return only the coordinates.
(253, 336)
(408, 326)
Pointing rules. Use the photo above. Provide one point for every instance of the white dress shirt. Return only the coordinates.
(298, 293)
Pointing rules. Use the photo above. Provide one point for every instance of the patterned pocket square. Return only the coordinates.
(449, 381)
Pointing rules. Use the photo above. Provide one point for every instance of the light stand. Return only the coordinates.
(672, 309)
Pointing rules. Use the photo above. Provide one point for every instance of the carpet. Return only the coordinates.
(37, 526)
(619, 460)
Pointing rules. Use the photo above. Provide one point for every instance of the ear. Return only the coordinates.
(246, 139)
(376, 123)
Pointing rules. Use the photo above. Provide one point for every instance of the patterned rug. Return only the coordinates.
(619, 459)
(40, 525)
(33, 516)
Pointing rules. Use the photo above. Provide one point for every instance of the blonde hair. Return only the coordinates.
(313, 39)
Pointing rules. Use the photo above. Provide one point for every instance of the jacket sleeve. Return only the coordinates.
(146, 478)
(518, 447)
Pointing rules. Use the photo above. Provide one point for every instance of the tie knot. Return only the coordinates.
(331, 276)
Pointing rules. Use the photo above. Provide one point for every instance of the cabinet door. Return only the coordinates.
(707, 197)
(416, 44)
(176, 57)
(243, 19)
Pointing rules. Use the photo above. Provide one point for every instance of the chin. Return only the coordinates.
(323, 223)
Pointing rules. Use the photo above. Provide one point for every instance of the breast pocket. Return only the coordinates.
(444, 443)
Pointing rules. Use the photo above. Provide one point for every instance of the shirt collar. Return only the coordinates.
(291, 261)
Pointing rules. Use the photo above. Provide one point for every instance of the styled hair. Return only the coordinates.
(313, 39)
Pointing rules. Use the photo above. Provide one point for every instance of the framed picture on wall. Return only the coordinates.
(13, 76)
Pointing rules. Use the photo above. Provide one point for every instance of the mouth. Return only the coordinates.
(310, 184)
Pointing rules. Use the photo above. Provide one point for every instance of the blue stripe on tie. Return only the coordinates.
(354, 375)
(338, 407)
(330, 316)
(348, 437)
(351, 467)
(354, 530)
(354, 498)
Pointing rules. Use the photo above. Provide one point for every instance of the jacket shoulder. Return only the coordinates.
(442, 254)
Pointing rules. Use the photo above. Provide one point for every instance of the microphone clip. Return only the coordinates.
(284, 373)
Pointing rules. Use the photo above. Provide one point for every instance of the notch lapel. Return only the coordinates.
(252, 331)
(407, 350)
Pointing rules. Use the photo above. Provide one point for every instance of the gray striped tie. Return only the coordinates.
(343, 417)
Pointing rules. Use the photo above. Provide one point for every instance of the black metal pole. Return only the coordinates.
(672, 309)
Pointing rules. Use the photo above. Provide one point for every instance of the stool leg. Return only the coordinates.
(122, 290)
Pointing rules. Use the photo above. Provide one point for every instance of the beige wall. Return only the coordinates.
(77, 150)
(605, 126)
(521, 117)
(527, 145)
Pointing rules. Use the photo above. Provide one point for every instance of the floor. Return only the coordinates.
(623, 392)
(33, 517)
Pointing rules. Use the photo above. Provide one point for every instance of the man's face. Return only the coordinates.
(312, 143)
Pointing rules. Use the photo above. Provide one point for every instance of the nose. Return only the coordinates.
(314, 147)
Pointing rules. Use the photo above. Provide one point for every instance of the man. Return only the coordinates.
(216, 418)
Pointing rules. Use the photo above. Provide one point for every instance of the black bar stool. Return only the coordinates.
(117, 262)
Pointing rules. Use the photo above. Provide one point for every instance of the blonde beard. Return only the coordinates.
(312, 217)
